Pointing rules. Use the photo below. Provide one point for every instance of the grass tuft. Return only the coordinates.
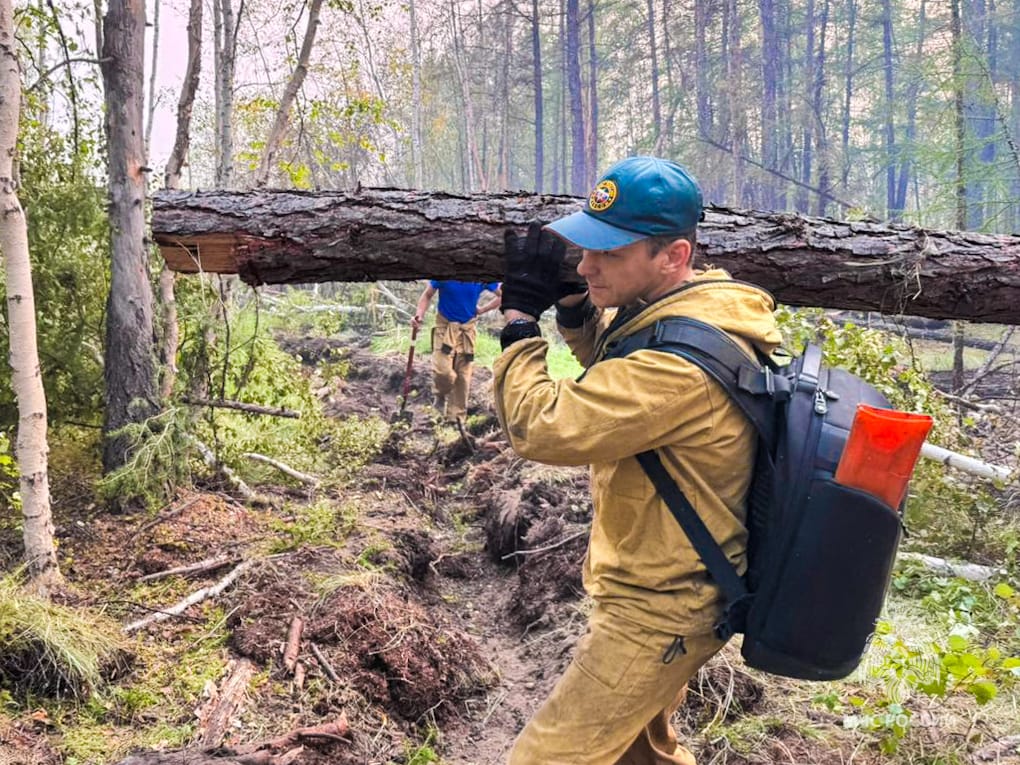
(50, 649)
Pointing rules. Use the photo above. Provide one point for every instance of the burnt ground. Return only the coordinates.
(439, 606)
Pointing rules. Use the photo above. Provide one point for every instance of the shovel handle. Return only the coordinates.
(410, 367)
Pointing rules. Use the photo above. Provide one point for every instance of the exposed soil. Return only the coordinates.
(451, 604)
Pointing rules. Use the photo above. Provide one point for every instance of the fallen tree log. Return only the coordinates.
(278, 237)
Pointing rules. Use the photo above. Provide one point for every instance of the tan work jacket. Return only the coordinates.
(640, 564)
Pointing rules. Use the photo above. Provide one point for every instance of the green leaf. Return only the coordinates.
(1004, 591)
(957, 643)
(983, 691)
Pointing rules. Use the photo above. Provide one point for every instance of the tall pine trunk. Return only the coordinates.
(130, 361)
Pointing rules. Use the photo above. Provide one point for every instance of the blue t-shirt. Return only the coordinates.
(459, 300)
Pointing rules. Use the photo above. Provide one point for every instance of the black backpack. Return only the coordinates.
(820, 554)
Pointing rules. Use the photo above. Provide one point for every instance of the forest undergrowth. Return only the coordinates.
(418, 600)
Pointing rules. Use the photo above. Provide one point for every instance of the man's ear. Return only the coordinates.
(678, 255)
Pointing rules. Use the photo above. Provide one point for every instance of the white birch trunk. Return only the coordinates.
(31, 448)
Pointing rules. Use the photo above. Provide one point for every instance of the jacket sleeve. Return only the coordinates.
(618, 408)
(583, 338)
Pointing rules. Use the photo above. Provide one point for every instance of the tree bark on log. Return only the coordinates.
(280, 237)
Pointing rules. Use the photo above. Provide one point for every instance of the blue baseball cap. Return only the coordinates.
(637, 198)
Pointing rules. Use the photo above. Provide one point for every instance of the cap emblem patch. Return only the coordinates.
(603, 196)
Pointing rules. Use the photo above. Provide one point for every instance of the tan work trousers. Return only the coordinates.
(613, 704)
(453, 356)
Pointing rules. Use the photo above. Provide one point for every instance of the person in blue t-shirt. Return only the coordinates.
(453, 339)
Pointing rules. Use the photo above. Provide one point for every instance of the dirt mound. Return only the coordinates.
(401, 655)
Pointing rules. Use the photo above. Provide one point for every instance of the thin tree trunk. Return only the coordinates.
(771, 64)
(153, 100)
(224, 62)
(702, 95)
(503, 99)
(667, 57)
(591, 159)
(889, 131)
(130, 362)
(171, 179)
(818, 115)
(735, 85)
(536, 62)
(31, 447)
(653, 58)
(416, 117)
(848, 89)
(910, 131)
(956, 27)
(476, 173)
(297, 78)
(807, 121)
(578, 172)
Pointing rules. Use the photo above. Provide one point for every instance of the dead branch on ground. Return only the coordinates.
(293, 647)
(196, 597)
(242, 406)
(217, 715)
(306, 478)
(326, 666)
(203, 566)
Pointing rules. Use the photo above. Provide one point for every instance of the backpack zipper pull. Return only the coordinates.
(821, 405)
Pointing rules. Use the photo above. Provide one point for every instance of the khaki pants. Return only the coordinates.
(613, 704)
(453, 356)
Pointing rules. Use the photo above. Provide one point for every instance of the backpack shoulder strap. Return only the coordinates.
(712, 555)
(754, 387)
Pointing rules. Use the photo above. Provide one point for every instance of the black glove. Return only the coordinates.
(531, 268)
(566, 289)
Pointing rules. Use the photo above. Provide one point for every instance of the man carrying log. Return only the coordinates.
(655, 606)
(453, 340)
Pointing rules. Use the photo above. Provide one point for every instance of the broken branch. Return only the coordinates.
(283, 468)
(290, 652)
(217, 720)
(242, 407)
(326, 666)
(210, 564)
(196, 597)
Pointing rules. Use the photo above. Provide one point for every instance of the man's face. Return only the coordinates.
(623, 276)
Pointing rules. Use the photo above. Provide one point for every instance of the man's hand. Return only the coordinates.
(531, 270)
(416, 322)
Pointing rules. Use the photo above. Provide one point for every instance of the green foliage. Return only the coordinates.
(934, 670)
(10, 500)
(317, 523)
(338, 135)
(160, 454)
(991, 609)
(304, 312)
(68, 242)
(50, 649)
(424, 753)
(875, 356)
